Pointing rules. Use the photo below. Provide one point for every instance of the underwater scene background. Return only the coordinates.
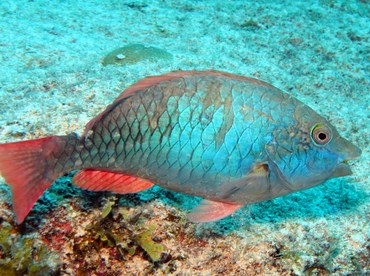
(63, 62)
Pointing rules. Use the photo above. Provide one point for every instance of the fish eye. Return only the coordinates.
(320, 134)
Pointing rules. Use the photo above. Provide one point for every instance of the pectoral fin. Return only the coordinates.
(209, 210)
(253, 185)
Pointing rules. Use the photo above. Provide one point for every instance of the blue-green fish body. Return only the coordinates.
(232, 140)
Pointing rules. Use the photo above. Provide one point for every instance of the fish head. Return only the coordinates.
(309, 151)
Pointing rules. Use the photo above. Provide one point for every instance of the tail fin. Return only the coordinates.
(28, 167)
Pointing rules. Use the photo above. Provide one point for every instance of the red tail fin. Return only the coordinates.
(27, 167)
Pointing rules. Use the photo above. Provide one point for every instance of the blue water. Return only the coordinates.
(52, 81)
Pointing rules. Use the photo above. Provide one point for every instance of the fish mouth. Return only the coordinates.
(343, 169)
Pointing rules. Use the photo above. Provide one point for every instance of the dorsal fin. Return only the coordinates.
(147, 82)
(153, 80)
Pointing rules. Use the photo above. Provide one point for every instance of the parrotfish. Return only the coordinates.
(232, 140)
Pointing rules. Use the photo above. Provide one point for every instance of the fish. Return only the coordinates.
(231, 140)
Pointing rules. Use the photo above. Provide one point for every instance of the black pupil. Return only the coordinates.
(322, 136)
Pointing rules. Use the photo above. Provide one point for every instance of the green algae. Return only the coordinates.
(107, 208)
(145, 240)
(134, 53)
(22, 255)
(120, 232)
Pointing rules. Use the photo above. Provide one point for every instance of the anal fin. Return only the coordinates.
(96, 180)
(208, 211)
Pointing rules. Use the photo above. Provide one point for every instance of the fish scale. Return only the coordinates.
(188, 118)
(230, 139)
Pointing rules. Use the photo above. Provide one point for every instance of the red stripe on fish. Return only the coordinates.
(95, 180)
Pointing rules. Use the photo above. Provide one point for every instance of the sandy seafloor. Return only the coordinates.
(52, 82)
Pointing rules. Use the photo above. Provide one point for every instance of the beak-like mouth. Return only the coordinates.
(342, 169)
(349, 153)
